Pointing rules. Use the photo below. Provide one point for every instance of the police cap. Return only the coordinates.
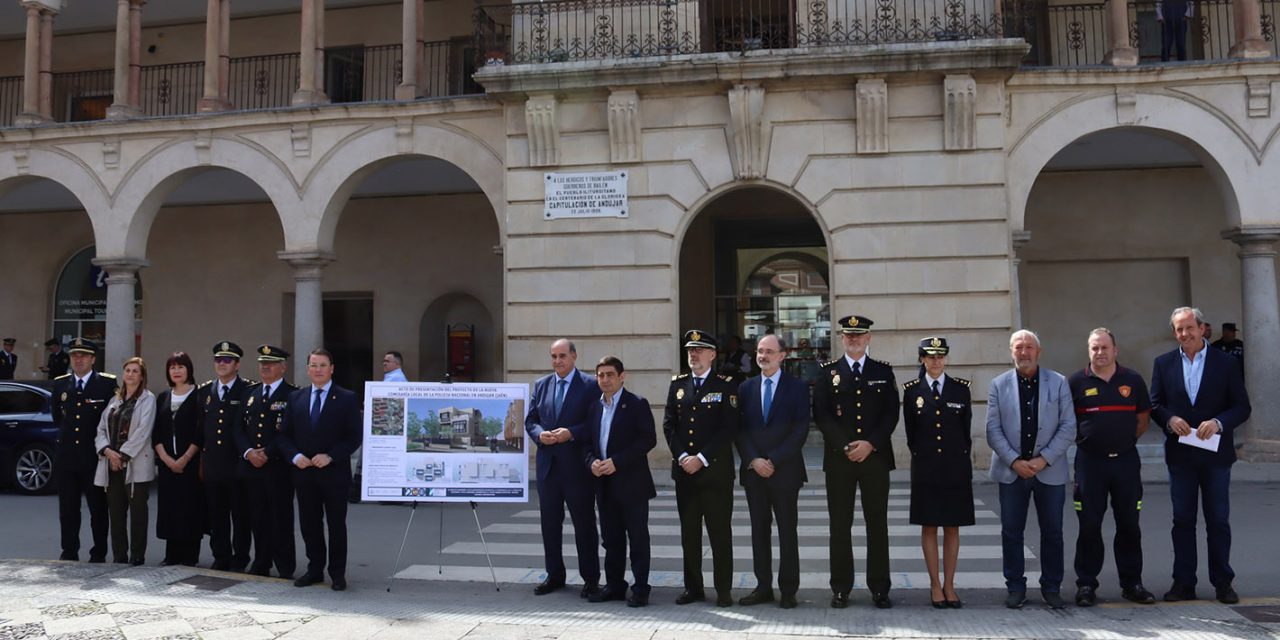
(698, 338)
(855, 324)
(227, 350)
(268, 353)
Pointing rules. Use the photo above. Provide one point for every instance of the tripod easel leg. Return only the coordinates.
(488, 557)
(396, 567)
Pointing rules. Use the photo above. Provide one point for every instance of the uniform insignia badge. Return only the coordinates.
(225, 347)
(733, 401)
(1125, 390)
(208, 399)
(64, 396)
(935, 343)
(1090, 392)
(919, 402)
(251, 400)
(695, 336)
(853, 321)
(679, 394)
(835, 380)
(839, 412)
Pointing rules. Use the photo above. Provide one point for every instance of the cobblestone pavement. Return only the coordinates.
(69, 601)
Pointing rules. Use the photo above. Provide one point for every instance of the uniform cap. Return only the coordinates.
(83, 345)
(50, 342)
(855, 324)
(698, 338)
(227, 349)
(268, 353)
(11, 341)
(1226, 326)
(933, 346)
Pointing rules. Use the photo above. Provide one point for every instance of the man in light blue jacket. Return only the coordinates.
(1030, 424)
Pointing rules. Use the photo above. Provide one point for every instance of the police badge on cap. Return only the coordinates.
(855, 324)
(697, 338)
(269, 353)
(933, 347)
(227, 350)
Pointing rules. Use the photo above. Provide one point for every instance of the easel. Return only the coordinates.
(475, 512)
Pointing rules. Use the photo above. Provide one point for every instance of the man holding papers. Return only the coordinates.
(1198, 394)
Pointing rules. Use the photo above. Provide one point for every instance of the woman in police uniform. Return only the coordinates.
(937, 414)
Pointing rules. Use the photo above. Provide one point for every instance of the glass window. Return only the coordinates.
(17, 400)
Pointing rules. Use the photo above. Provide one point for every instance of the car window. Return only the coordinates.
(19, 400)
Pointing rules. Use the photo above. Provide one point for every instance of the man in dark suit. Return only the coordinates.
(556, 421)
(772, 431)
(8, 359)
(320, 431)
(221, 404)
(79, 398)
(618, 437)
(1198, 390)
(855, 403)
(699, 422)
(266, 472)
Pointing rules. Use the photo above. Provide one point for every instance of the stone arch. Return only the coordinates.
(63, 169)
(1206, 134)
(711, 195)
(150, 182)
(329, 187)
(457, 306)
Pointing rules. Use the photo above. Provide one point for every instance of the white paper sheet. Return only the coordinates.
(1191, 439)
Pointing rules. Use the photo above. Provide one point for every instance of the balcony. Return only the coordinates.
(1060, 35)
(352, 75)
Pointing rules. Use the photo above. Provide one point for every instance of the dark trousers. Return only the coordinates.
(1015, 499)
(871, 477)
(554, 494)
(1098, 478)
(185, 552)
(712, 503)
(1211, 483)
(622, 524)
(322, 499)
(1174, 36)
(75, 479)
(271, 518)
(229, 532)
(768, 500)
(127, 510)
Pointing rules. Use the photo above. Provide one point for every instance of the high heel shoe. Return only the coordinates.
(953, 604)
(940, 604)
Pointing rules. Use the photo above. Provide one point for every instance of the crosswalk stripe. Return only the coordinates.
(740, 513)
(911, 531)
(742, 580)
(821, 552)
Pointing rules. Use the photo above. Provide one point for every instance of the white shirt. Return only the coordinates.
(82, 381)
(606, 420)
(861, 362)
(941, 380)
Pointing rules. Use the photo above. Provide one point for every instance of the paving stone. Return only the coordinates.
(223, 621)
(157, 629)
(238, 633)
(62, 626)
(76, 610)
(24, 631)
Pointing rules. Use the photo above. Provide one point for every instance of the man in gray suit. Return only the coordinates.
(1030, 423)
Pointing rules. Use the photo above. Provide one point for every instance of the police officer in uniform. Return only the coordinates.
(266, 472)
(221, 403)
(699, 422)
(58, 362)
(1113, 409)
(79, 398)
(937, 415)
(855, 403)
(8, 359)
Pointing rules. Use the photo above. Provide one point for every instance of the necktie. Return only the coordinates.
(560, 387)
(768, 397)
(79, 386)
(697, 383)
(935, 388)
(266, 393)
(223, 395)
(857, 369)
(315, 408)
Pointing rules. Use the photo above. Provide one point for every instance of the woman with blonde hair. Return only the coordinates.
(127, 463)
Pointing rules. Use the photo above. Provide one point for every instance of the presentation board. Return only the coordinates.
(435, 442)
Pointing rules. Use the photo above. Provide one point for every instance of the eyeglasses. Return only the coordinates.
(224, 359)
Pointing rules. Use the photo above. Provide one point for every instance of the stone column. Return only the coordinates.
(122, 277)
(135, 53)
(1262, 335)
(408, 87)
(121, 107)
(46, 64)
(31, 71)
(1119, 52)
(423, 78)
(1249, 42)
(1019, 240)
(308, 318)
(224, 53)
(309, 91)
(212, 100)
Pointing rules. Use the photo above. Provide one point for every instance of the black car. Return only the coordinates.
(27, 436)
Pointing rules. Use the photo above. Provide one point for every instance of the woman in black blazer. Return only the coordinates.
(177, 438)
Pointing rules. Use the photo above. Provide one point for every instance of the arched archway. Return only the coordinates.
(754, 260)
(442, 345)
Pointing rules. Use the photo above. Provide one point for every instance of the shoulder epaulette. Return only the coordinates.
(726, 378)
(827, 364)
(108, 375)
(959, 380)
(880, 361)
(251, 381)
(679, 377)
(65, 375)
(909, 383)
(206, 383)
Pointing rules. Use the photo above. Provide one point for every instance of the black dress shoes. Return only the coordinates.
(307, 579)
(220, 565)
(339, 584)
(839, 600)
(724, 599)
(67, 555)
(260, 571)
(1053, 599)
(636, 600)
(1227, 595)
(606, 594)
(1139, 594)
(548, 586)
(1179, 592)
(138, 562)
(97, 559)
(759, 596)
(689, 597)
(1015, 599)
(881, 600)
(588, 590)
(1086, 597)
(956, 604)
(787, 601)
